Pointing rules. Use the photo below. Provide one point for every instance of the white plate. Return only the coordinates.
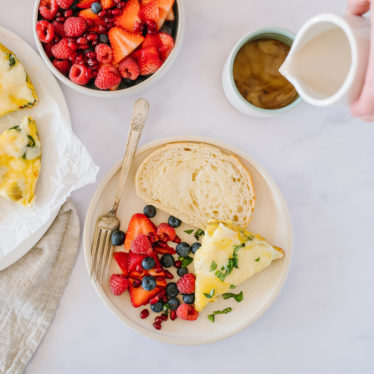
(271, 219)
(38, 72)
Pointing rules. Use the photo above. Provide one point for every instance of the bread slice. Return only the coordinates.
(197, 182)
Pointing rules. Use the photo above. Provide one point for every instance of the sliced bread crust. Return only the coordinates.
(197, 182)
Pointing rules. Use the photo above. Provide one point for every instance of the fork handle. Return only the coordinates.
(138, 118)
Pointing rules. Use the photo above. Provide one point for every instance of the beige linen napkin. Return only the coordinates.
(30, 290)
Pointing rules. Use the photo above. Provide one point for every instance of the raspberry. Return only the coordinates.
(104, 53)
(45, 31)
(186, 284)
(165, 232)
(80, 74)
(107, 78)
(48, 9)
(63, 66)
(61, 50)
(141, 245)
(128, 68)
(75, 26)
(118, 284)
(59, 29)
(64, 4)
(187, 312)
(48, 49)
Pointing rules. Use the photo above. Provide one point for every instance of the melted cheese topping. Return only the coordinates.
(20, 162)
(16, 90)
(219, 242)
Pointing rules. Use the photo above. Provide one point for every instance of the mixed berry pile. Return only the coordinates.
(107, 44)
(144, 262)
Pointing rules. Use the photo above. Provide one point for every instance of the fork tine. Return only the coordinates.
(105, 258)
(108, 262)
(101, 254)
(94, 252)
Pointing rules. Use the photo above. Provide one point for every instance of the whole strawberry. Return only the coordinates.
(187, 312)
(165, 232)
(186, 284)
(118, 284)
(107, 77)
(65, 4)
(75, 26)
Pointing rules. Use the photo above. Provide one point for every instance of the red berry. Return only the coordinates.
(65, 4)
(83, 46)
(173, 315)
(141, 244)
(75, 26)
(45, 31)
(82, 40)
(63, 66)
(104, 53)
(138, 27)
(164, 299)
(178, 264)
(78, 59)
(59, 29)
(91, 37)
(157, 326)
(158, 320)
(48, 9)
(116, 12)
(91, 54)
(72, 46)
(102, 14)
(60, 19)
(164, 317)
(128, 68)
(177, 239)
(61, 50)
(154, 299)
(168, 275)
(121, 4)
(118, 282)
(165, 232)
(136, 283)
(187, 312)
(68, 13)
(186, 284)
(79, 74)
(144, 313)
(48, 49)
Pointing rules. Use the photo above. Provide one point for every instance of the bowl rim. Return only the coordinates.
(124, 91)
(265, 32)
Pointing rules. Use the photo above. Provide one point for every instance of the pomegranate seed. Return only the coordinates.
(101, 29)
(82, 40)
(178, 264)
(108, 19)
(164, 317)
(56, 39)
(73, 56)
(72, 46)
(59, 14)
(144, 313)
(139, 27)
(151, 237)
(151, 31)
(83, 46)
(158, 320)
(94, 72)
(158, 270)
(120, 5)
(173, 315)
(91, 37)
(116, 12)
(165, 299)
(94, 42)
(60, 19)
(138, 267)
(102, 14)
(78, 59)
(154, 299)
(136, 283)
(177, 239)
(157, 326)
(168, 275)
(117, 1)
(162, 293)
(90, 22)
(68, 13)
(92, 54)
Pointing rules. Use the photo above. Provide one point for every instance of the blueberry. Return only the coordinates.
(148, 263)
(167, 260)
(173, 303)
(166, 29)
(172, 289)
(149, 283)
(157, 307)
(183, 249)
(189, 298)
(96, 7)
(103, 38)
(195, 247)
(182, 271)
(118, 237)
(174, 222)
(149, 211)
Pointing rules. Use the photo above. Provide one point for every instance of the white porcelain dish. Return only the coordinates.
(125, 91)
(271, 219)
(38, 72)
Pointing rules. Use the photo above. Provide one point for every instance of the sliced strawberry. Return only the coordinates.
(139, 296)
(152, 40)
(170, 16)
(148, 60)
(123, 43)
(167, 45)
(139, 224)
(122, 261)
(164, 249)
(85, 4)
(106, 4)
(165, 232)
(129, 17)
(149, 12)
(164, 7)
(133, 260)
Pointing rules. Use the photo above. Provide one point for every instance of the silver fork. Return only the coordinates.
(102, 249)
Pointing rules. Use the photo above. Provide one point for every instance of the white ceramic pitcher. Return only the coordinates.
(328, 58)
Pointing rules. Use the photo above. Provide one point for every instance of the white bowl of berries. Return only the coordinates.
(108, 48)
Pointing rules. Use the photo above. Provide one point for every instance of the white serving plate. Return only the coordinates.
(271, 219)
(38, 72)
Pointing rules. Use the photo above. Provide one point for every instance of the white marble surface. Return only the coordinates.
(323, 161)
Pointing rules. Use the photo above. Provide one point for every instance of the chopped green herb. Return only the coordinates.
(232, 286)
(257, 259)
(31, 141)
(17, 128)
(188, 231)
(198, 233)
(186, 261)
(220, 275)
(237, 247)
(210, 294)
(211, 317)
(12, 60)
(213, 266)
(165, 308)
(233, 262)
(24, 156)
(238, 297)
(250, 237)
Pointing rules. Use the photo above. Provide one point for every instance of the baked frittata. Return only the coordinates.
(20, 162)
(16, 89)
